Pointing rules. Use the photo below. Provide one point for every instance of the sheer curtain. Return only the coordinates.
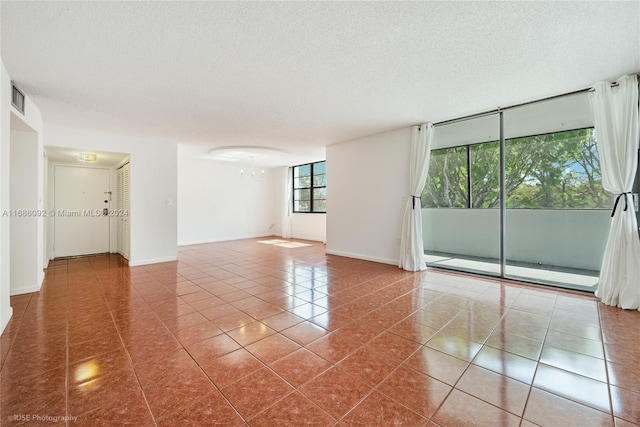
(411, 246)
(286, 203)
(616, 126)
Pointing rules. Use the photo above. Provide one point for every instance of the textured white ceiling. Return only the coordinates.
(302, 75)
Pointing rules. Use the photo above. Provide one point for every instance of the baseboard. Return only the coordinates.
(223, 239)
(363, 257)
(6, 316)
(136, 263)
(25, 290)
(313, 239)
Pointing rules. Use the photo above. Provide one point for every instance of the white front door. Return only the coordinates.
(81, 224)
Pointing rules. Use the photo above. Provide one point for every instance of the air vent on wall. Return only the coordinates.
(17, 98)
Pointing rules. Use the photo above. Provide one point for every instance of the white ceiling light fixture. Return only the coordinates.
(255, 175)
(256, 155)
(87, 157)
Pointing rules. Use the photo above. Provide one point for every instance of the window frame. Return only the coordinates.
(469, 194)
(311, 188)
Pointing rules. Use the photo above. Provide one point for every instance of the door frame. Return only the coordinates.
(113, 243)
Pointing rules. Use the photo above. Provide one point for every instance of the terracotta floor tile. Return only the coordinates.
(248, 302)
(263, 310)
(197, 296)
(304, 333)
(438, 365)
(38, 362)
(335, 391)
(185, 321)
(378, 409)
(88, 369)
(619, 422)
(462, 327)
(368, 366)
(197, 333)
(293, 410)
(572, 386)
(431, 319)
(281, 321)
(455, 345)
(459, 408)
(231, 367)
(272, 348)
(91, 395)
(577, 363)
(333, 347)
(505, 363)
(165, 313)
(515, 344)
(176, 391)
(624, 376)
(626, 404)
(40, 394)
(219, 311)
(419, 392)
(212, 348)
(328, 341)
(577, 329)
(204, 304)
(152, 346)
(233, 321)
(330, 321)
(213, 409)
(499, 390)
(250, 333)
(414, 331)
(307, 310)
(546, 409)
(256, 392)
(628, 356)
(300, 366)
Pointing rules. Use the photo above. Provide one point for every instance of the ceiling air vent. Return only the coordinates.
(17, 98)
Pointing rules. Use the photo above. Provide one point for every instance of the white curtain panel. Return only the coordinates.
(411, 246)
(286, 202)
(616, 126)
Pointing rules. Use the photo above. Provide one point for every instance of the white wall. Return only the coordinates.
(311, 226)
(217, 202)
(153, 189)
(25, 266)
(26, 260)
(5, 244)
(367, 189)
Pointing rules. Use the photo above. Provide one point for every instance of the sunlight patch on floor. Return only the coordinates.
(284, 243)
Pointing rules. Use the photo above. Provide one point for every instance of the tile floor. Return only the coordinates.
(242, 333)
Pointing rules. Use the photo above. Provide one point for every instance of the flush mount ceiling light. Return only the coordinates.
(259, 156)
(87, 157)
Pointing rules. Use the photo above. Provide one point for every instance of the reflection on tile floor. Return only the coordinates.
(242, 333)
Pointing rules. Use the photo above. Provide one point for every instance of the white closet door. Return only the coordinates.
(123, 211)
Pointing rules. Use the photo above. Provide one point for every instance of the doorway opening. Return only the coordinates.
(83, 193)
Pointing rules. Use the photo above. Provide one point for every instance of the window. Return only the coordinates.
(559, 170)
(448, 183)
(310, 188)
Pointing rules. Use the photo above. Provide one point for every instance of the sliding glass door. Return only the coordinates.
(461, 198)
(546, 222)
(557, 213)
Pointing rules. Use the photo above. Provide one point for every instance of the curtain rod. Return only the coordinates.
(497, 110)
